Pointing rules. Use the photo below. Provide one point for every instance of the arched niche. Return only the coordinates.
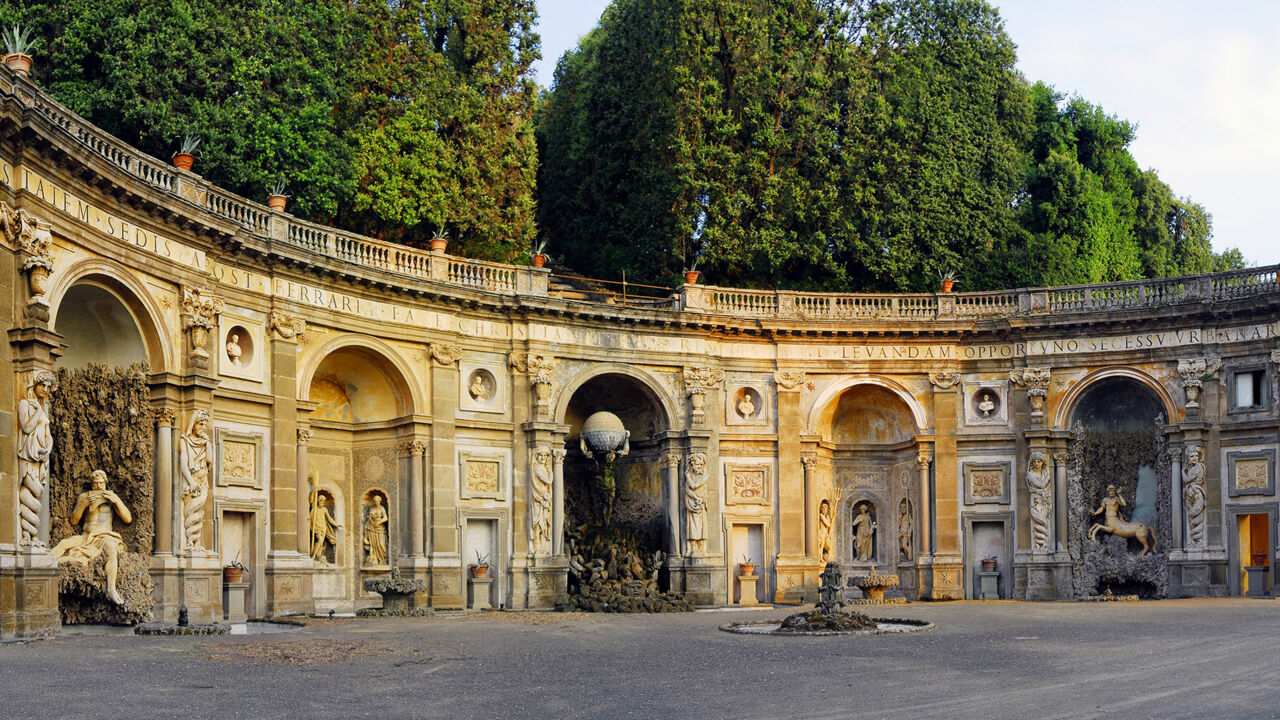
(97, 326)
(1116, 402)
(355, 384)
(867, 415)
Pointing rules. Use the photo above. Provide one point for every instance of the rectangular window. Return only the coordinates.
(1248, 389)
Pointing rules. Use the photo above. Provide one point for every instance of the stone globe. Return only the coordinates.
(604, 432)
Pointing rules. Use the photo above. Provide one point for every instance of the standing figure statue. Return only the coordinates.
(695, 507)
(375, 533)
(824, 529)
(1194, 495)
(194, 463)
(906, 534)
(324, 527)
(1041, 500)
(35, 442)
(864, 526)
(1117, 525)
(98, 507)
(540, 487)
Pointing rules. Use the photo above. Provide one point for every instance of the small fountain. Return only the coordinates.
(604, 439)
(828, 617)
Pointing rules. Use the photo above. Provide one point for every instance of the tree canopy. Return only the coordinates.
(842, 144)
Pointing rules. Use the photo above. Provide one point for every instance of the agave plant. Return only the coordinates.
(278, 189)
(17, 40)
(189, 144)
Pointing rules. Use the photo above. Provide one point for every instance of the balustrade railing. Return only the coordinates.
(356, 250)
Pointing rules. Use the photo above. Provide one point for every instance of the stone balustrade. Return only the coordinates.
(358, 252)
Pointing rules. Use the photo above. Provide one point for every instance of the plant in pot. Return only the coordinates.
(17, 48)
(481, 567)
(539, 253)
(745, 566)
(946, 280)
(989, 564)
(234, 571)
(691, 273)
(277, 198)
(186, 155)
(439, 240)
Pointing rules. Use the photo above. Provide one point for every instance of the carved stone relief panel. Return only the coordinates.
(482, 476)
(986, 482)
(1251, 472)
(986, 402)
(240, 458)
(747, 484)
(856, 477)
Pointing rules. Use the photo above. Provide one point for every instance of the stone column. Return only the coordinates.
(810, 505)
(165, 419)
(557, 501)
(671, 482)
(303, 539)
(1060, 460)
(925, 521)
(1175, 496)
(417, 499)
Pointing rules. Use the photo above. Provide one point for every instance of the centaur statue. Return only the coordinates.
(1118, 526)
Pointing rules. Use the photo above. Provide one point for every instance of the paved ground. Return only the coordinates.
(1169, 659)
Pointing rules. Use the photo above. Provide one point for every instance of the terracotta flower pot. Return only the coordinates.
(232, 575)
(19, 63)
(479, 571)
(691, 277)
(277, 202)
(947, 285)
(539, 260)
(746, 568)
(438, 245)
(183, 161)
(1258, 559)
(988, 566)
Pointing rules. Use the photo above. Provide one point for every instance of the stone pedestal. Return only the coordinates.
(1257, 575)
(989, 585)
(288, 584)
(1041, 579)
(704, 583)
(478, 593)
(797, 580)
(948, 576)
(233, 602)
(29, 596)
(447, 581)
(548, 583)
(192, 581)
(747, 590)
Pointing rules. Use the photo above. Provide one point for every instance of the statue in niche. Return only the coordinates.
(1039, 484)
(478, 389)
(1117, 525)
(695, 507)
(97, 507)
(540, 506)
(324, 527)
(906, 534)
(375, 533)
(35, 442)
(194, 461)
(1194, 495)
(234, 351)
(824, 529)
(746, 406)
(864, 532)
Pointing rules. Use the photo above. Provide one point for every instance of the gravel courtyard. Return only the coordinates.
(1168, 659)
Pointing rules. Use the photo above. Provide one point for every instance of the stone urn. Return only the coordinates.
(38, 280)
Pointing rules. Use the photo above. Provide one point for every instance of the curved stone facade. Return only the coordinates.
(336, 369)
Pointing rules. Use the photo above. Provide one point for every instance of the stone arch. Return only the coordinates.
(828, 398)
(119, 282)
(662, 399)
(381, 358)
(1067, 406)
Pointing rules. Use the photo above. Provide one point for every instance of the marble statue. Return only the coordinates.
(375, 533)
(540, 487)
(1117, 525)
(233, 349)
(746, 408)
(864, 527)
(35, 442)
(1040, 487)
(478, 390)
(906, 534)
(194, 463)
(824, 529)
(695, 506)
(324, 527)
(97, 507)
(1194, 495)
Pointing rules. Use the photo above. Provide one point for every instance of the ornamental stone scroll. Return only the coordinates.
(445, 355)
(288, 327)
(199, 314)
(32, 238)
(788, 380)
(945, 379)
